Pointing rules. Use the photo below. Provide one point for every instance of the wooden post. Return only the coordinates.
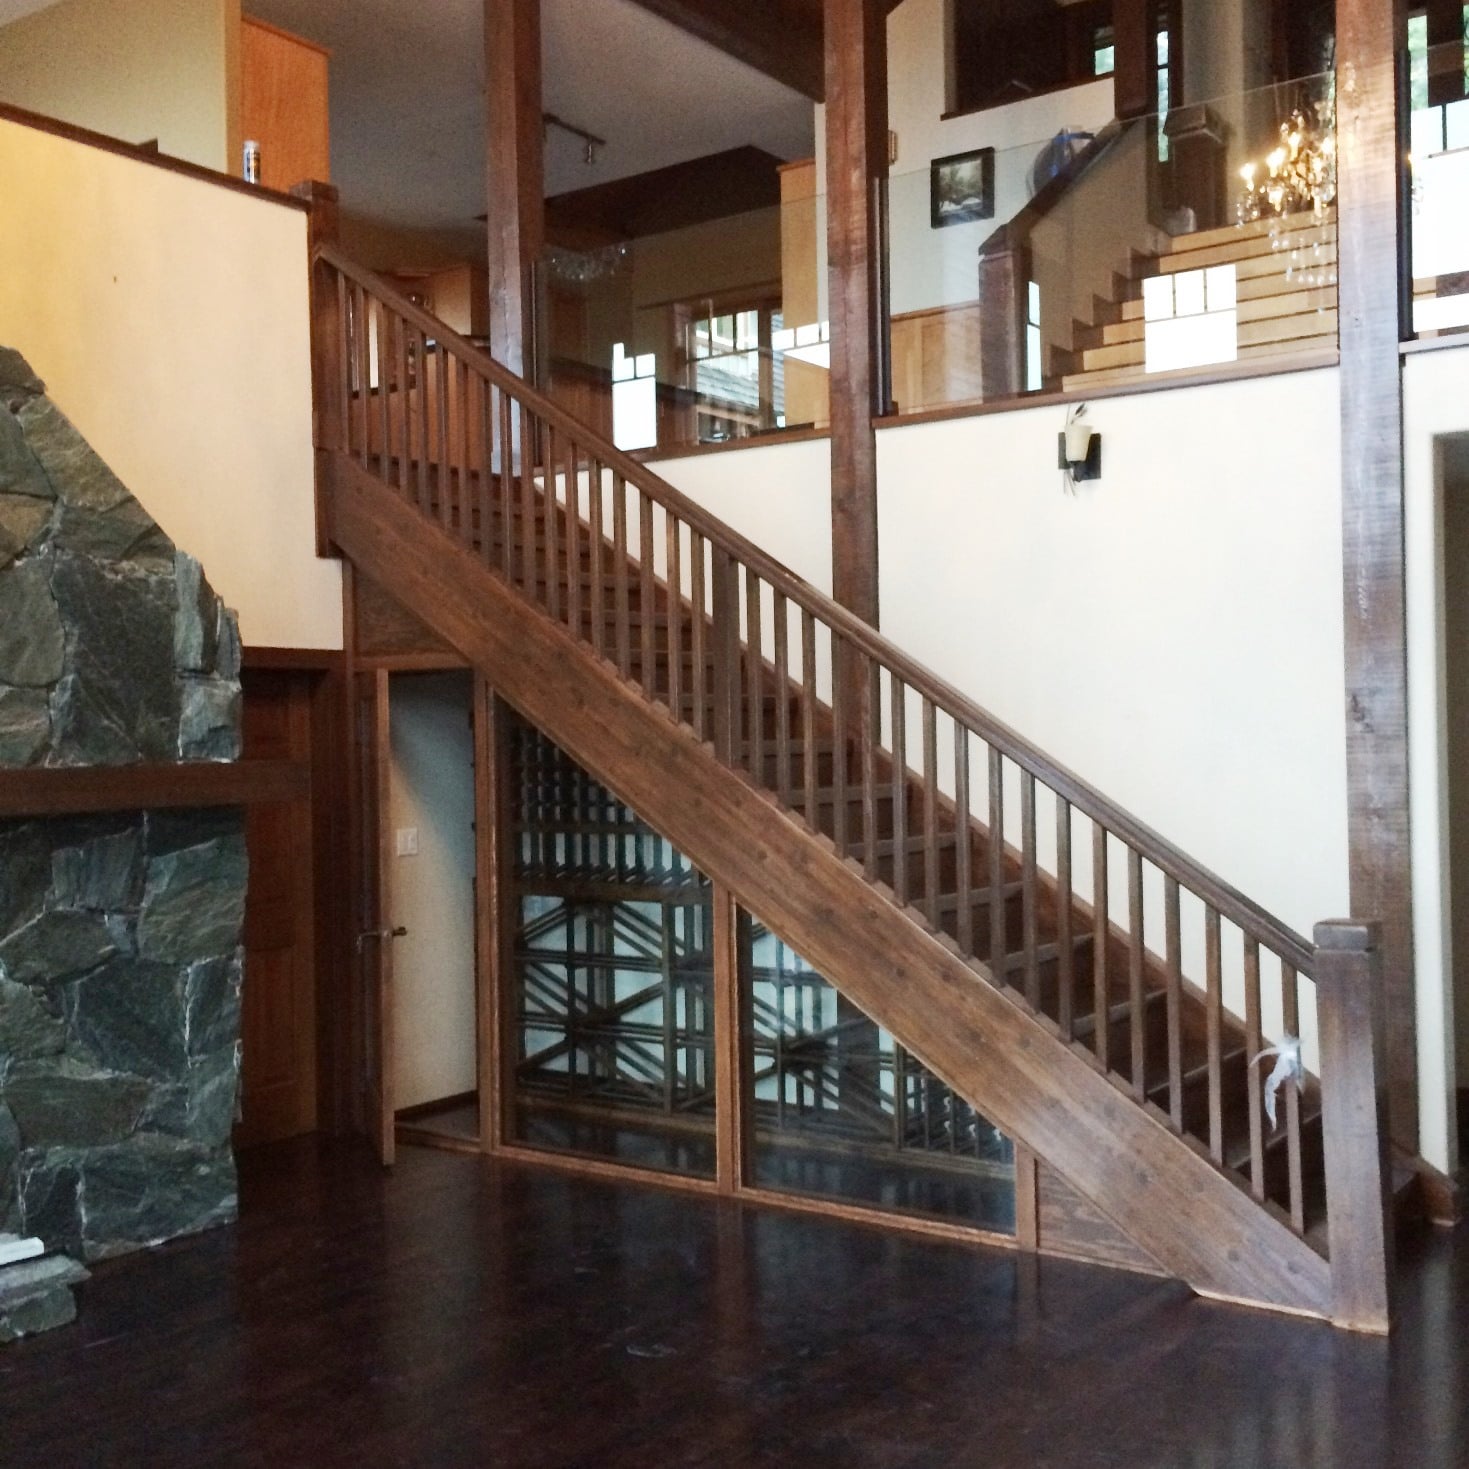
(1004, 290)
(856, 163)
(328, 337)
(494, 916)
(1134, 58)
(1369, 36)
(730, 1086)
(1354, 1111)
(514, 175)
(728, 722)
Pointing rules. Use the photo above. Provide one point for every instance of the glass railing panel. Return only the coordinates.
(702, 335)
(611, 976)
(841, 1111)
(1438, 152)
(1180, 242)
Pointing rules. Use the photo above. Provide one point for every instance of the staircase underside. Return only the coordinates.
(1159, 1188)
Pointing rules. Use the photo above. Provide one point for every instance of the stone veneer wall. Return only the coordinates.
(120, 958)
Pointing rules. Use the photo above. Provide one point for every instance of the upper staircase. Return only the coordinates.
(1285, 284)
(1076, 978)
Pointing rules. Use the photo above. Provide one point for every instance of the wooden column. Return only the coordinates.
(514, 175)
(494, 916)
(856, 160)
(328, 331)
(1349, 1006)
(1369, 34)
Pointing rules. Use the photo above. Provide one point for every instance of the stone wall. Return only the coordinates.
(120, 958)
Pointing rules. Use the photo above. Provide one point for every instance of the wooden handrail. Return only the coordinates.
(1254, 920)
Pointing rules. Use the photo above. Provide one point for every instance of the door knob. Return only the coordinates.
(379, 933)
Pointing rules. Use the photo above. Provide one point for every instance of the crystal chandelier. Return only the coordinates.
(1298, 177)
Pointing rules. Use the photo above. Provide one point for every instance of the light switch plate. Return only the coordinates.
(407, 841)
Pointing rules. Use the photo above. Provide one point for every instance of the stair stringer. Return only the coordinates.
(1158, 1188)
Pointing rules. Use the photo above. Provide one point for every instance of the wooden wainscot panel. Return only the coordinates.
(1066, 1224)
(386, 629)
(283, 103)
(935, 357)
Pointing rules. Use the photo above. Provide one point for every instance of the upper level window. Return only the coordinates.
(1006, 50)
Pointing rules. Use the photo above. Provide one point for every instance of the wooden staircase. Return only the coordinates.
(873, 817)
(1286, 287)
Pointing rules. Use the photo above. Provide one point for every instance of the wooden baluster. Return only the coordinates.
(698, 672)
(1136, 996)
(1174, 942)
(343, 367)
(810, 765)
(1065, 950)
(839, 709)
(597, 597)
(726, 631)
(364, 377)
(506, 494)
(1029, 899)
(443, 475)
(1253, 1045)
(931, 812)
(1291, 1021)
(573, 539)
(964, 852)
(384, 421)
(1101, 989)
(647, 595)
(868, 762)
(528, 537)
(425, 503)
(673, 542)
(620, 578)
(999, 940)
(899, 737)
(466, 498)
(782, 699)
(755, 679)
(403, 414)
(1214, 999)
(551, 515)
(1354, 1117)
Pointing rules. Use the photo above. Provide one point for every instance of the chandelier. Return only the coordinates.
(1297, 177)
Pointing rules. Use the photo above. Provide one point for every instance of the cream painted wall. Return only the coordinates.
(431, 790)
(170, 319)
(133, 69)
(1436, 403)
(940, 267)
(1454, 491)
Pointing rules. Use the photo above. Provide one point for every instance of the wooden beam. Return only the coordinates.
(1136, 59)
(856, 160)
(1369, 34)
(782, 41)
(68, 792)
(514, 175)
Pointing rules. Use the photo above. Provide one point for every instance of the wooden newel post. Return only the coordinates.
(1349, 1006)
(1004, 292)
(328, 336)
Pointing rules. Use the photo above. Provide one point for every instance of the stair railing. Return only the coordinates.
(1052, 892)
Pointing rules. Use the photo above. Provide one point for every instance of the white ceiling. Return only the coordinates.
(408, 114)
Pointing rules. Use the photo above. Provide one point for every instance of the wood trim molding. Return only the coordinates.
(146, 155)
(294, 660)
(79, 791)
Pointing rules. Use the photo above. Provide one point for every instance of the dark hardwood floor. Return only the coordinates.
(462, 1313)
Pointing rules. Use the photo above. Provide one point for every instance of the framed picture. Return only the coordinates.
(962, 188)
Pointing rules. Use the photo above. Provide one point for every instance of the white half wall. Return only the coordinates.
(1436, 404)
(170, 320)
(432, 795)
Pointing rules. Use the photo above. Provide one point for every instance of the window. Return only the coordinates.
(737, 370)
(1190, 319)
(1005, 50)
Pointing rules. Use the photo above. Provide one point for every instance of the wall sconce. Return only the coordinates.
(1078, 450)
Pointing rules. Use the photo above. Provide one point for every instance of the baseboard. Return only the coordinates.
(428, 1109)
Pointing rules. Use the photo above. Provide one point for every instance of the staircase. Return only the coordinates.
(1028, 941)
(1285, 272)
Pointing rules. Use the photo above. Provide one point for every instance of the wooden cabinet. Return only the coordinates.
(284, 104)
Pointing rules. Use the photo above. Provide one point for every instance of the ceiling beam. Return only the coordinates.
(780, 38)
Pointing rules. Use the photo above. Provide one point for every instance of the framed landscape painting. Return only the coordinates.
(962, 187)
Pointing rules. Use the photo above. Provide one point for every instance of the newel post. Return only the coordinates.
(1004, 298)
(328, 337)
(1349, 1005)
